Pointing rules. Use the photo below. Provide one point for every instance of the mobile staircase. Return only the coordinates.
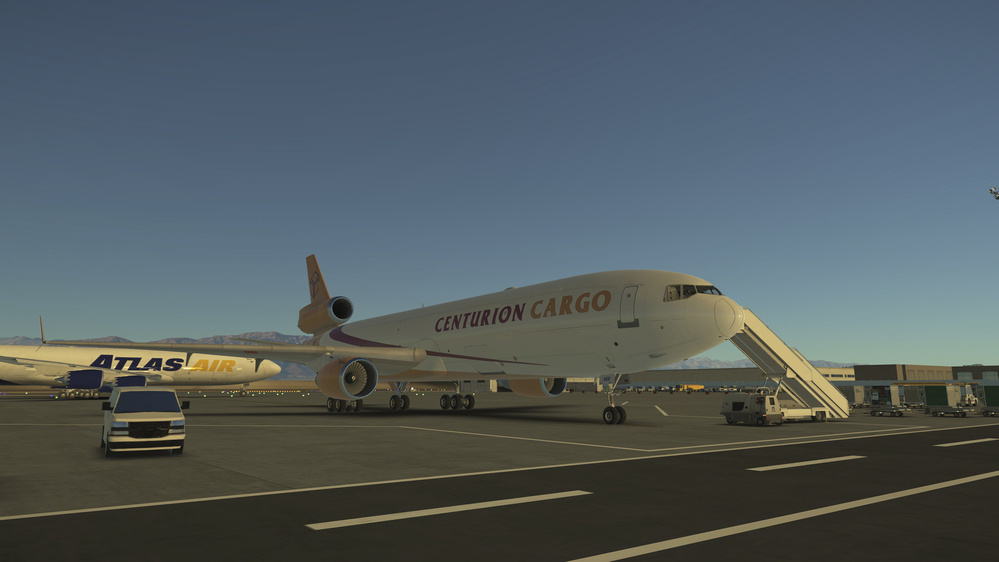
(798, 378)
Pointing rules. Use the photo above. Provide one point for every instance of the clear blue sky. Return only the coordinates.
(167, 166)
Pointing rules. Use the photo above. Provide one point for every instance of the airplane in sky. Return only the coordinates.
(84, 372)
(534, 337)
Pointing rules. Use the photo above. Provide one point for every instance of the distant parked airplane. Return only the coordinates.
(84, 372)
(534, 337)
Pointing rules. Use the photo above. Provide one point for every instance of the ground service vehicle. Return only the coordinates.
(140, 418)
(760, 408)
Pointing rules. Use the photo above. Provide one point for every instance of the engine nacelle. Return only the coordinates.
(324, 316)
(86, 379)
(347, 379)
(538, 388)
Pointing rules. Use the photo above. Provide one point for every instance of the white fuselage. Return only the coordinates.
(584, 326)
(43, 365)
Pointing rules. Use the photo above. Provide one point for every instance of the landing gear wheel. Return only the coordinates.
(394, 403)
(445, 402)
(330, 406)
(761, 422)
(339, 405)
(621, 414)
(457, 402)
(611, 415)
(405, 403)
(357, 405)
(469, 402)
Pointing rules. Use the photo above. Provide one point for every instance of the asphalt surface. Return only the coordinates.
(515, 478)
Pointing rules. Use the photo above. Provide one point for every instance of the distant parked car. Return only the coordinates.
(143, 419)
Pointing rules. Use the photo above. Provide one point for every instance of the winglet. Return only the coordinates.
(317, 287)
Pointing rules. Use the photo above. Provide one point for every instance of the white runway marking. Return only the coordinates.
(677, 452)
(442, 510)
(804, 463)
(757, 525)
(661, 411)
(965, 442)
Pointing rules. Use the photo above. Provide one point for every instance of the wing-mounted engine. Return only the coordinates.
(325, 315)
(84, 379)
(538, 388)
(347, 379)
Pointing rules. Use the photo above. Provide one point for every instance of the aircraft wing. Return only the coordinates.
(292, 353)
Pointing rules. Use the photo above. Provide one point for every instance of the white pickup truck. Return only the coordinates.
(139, 418)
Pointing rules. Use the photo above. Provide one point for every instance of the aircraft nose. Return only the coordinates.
(728, 317)
(269, 368)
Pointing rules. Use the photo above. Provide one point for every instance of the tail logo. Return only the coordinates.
(314, 283)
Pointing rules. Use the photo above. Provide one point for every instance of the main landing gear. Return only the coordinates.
(399, 403)
(338, 406)
(614, 414)
(457, 402)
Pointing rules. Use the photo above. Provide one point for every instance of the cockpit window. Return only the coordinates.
(677, 292)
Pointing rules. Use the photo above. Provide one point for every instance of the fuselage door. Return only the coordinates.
(628, 299)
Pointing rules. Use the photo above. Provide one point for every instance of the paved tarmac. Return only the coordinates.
(276, 476)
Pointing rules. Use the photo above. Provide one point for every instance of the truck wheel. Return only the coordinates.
(729, 420)
(761, 422)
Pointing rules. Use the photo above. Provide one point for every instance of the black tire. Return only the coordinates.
(357, 405)
(457, 402)
(621, 414)
(469, 402)
(329, 405)
(179, 451)
(339, 405)
(394, 403)
(611, 415)
(729, 420)
(761, 422)
(445, 402)
(405, 403)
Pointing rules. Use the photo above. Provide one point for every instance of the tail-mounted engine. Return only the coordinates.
(323, 316)
(347, 379)
(538, 388)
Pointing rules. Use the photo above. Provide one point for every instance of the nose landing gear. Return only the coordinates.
(614, 414)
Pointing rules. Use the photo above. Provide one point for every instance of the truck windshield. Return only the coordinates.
(129, 402)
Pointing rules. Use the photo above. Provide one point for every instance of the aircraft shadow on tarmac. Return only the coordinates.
(529, 413)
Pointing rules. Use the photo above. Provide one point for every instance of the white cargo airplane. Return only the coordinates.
(534, 337)
(83, 372)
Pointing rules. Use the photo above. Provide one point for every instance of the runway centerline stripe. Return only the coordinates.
(774, 521)
(661, 411)
(442, 510)
(804, 463)
(966, 442)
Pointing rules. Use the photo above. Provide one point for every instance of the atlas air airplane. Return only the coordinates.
(534, 337)
(84, 372)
